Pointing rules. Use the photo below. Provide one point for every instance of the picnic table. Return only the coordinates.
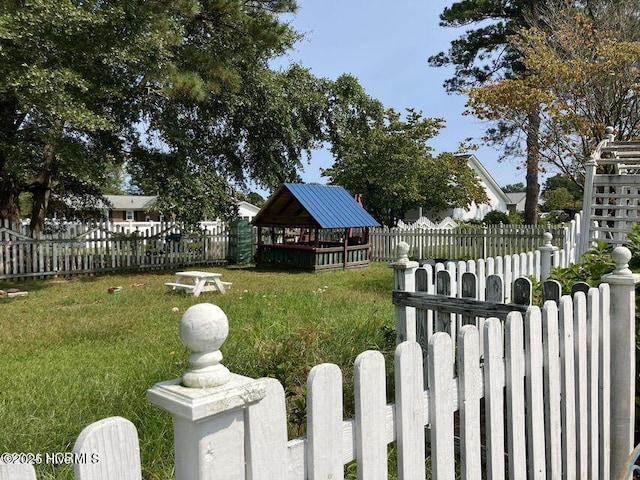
(195, 283)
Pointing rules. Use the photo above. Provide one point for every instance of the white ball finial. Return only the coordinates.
(403, 252)
(203, 329)
(547, 237)
(621, 257)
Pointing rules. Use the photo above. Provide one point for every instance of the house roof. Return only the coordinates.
(305, 205)
(131, 202)
(516, 197)
(486, 178)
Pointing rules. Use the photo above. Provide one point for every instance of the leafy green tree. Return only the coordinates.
(557, 199)
(255, 199)
(181, 92)
(387, 159)
(579, 79)
(561, 181)
(483, 55)
(514, 187)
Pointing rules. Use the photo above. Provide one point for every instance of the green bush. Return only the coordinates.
(495, 217)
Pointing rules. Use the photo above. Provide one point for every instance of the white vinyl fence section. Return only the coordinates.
(527, 397)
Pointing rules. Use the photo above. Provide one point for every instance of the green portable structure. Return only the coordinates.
(240, 242)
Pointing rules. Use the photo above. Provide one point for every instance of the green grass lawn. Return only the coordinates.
(73, 354)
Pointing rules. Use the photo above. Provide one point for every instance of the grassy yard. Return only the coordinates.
(73, 354)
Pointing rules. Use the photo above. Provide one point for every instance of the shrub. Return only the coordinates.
(495, 217)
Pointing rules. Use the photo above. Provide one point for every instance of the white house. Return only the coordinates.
(498, 200)
(138, 208)
(247, 210)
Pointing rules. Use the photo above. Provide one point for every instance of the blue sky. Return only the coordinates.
(386, 46)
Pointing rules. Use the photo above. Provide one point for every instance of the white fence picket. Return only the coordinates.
(514, 372)
(535, 393)
(370, 407)
(110, 450)
(568, 395)
(552, 390)
(17, 471)
(604, 384)
(593, 337)
(324, 414)
(440, 406)
(470, 393)
(266, 424)
(582, 400)
(494, 381)
(409, 411)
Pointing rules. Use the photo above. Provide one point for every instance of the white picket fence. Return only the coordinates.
(472, 241)
(106, 247)
(73, 248)
(531, 397)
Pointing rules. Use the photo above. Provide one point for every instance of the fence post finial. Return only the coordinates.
(546, 254)
(609, 133)
(402, 250)
(622, 283)
(203, 329)
(621, 257)
(208, 404)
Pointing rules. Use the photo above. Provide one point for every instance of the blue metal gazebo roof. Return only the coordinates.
(323, 206)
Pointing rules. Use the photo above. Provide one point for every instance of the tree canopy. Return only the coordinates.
(580, 79)
(485, 54)
(387, 159)
(514, 187)
(180, 92)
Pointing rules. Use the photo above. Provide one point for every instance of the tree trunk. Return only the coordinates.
(10, 187)
(9, 199)
(533, 157)
(41, 191)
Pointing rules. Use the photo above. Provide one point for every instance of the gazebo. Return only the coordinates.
(313, 227)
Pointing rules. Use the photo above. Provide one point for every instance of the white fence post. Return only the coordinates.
(404, 271)
(623, 359)
(208, 403)
(546, 252)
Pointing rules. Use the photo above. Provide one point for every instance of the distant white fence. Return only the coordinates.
(69, 229)
(72, 248)
(106, 247)
(535, 397)
(471, 242)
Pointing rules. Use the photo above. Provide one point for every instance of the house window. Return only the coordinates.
(129, 216)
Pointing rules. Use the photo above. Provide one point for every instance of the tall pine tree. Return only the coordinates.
(484, 54)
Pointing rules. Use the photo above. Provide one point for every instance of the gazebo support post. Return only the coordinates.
(346, 245)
